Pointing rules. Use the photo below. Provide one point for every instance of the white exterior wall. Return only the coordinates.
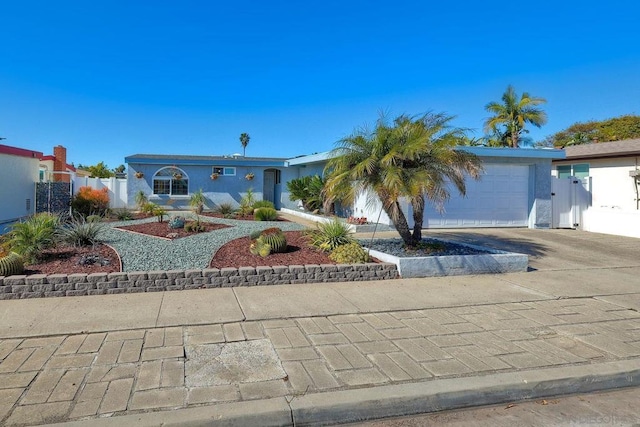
(18, 175)
(612, 185)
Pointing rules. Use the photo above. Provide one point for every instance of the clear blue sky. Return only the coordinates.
(113, 78)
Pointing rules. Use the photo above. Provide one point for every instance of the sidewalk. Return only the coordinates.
(275, 355)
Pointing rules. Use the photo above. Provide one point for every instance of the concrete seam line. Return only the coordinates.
(244, 316)
(432, 396)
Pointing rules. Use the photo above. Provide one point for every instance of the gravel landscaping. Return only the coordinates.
(144, 253)
(395, 247)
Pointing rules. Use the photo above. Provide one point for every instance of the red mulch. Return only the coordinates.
(236, 254)
(161, 229)
(65, 260)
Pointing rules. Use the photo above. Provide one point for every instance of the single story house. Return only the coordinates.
(612, 174)
(514, 191)
(21, 169)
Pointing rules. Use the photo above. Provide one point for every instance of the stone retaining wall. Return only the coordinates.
(60, 285)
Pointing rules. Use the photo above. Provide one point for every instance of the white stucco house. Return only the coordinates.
(612, 173)
(19, 171)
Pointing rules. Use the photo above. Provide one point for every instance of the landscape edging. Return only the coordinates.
(79, 284)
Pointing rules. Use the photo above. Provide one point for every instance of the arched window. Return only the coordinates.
(171, 181)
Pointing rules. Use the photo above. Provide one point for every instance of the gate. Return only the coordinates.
(570, 197)
(53, 197)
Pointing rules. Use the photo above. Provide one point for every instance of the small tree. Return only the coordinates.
(141, 199)
(198, 201)
(99, 171)
(244, 140)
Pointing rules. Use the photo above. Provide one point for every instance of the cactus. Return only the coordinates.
(176, 222)
(255, 234)
(258, 247)
(275, 238)
(11, 264)
(351, 253)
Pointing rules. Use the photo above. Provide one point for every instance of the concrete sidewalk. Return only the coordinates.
(312, 354)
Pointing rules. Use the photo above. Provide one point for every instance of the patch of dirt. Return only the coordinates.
(299, 252)
(68, 260)
(161, 229)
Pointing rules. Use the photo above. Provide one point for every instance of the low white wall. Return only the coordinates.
(612, 221)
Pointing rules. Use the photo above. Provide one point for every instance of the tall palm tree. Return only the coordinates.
(513, 114)
(413, 158)
(244, 140)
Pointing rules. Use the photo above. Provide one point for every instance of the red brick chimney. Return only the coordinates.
(60, 164)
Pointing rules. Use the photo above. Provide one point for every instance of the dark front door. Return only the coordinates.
(269, 186)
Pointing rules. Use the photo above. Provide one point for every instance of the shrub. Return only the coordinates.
(89, 201)
(351, 253)
(263, 204)
(308, 190)
(94, 218)
(225, 209)
(329, 235)
(31, 237)
(80, 232)
(265, 214)
(122, 214)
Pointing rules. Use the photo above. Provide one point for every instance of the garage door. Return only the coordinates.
(499, 199)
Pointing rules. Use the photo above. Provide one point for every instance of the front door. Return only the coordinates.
(269, 186)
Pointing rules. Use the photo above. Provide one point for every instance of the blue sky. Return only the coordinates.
(109, 79)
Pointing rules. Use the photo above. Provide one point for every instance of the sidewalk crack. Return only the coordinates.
(244, 316)
(160, 309)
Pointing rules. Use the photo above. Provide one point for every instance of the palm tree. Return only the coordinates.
(244, 140)
(513, 114)
(413, 158)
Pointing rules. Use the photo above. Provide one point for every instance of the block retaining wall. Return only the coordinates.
(60, 285)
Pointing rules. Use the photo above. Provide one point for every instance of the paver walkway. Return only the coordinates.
(321, 339)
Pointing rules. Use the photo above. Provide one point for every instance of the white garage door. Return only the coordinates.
(499, 199)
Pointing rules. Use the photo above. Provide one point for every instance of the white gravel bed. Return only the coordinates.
(146, 253)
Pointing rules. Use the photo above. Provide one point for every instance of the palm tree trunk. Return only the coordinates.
(417, 205)
(394, 212)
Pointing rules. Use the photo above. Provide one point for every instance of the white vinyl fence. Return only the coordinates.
(117, 188)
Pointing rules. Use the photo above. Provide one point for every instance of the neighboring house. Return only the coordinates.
(18, 173)
(612, 172)
(55, 168)
(515, 190)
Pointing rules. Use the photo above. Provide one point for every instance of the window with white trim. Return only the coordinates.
(223, 171)
(171, 181)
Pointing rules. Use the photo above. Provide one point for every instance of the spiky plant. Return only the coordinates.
(29, 238)
(329, 235)
(80, 232)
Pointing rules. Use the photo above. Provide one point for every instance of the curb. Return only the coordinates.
(393, 400)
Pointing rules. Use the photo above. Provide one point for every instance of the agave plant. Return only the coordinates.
(329, 235)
